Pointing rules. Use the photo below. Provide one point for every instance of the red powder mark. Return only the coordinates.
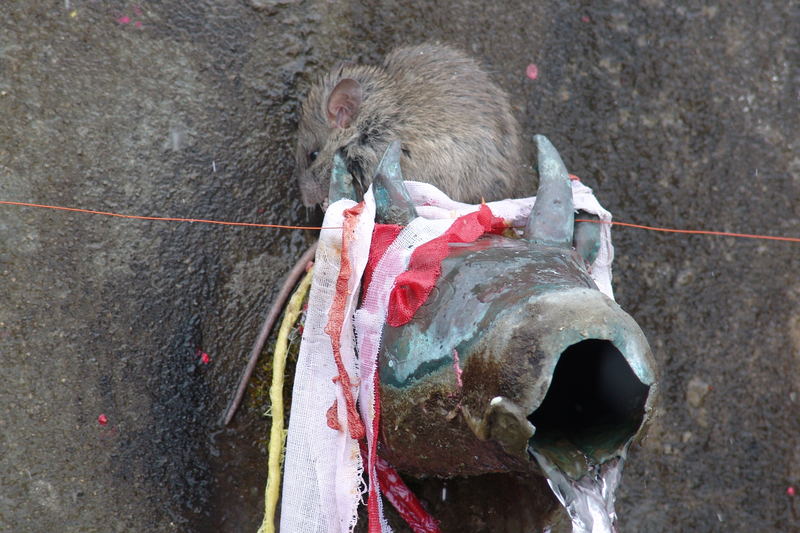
(102, 419)
(532, 71)
(457, 368)
(204, 357)
(138, 23)
(585, 18)
(790, 491)
(124, 19)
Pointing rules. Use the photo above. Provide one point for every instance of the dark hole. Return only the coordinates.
(595, 402)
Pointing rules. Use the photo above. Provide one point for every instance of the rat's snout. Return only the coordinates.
(312, 191)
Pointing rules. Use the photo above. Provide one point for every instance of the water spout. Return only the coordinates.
(595, 404)
(589, 500)
(584, 426)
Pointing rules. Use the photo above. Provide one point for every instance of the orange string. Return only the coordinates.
(281, 226)
(167, 219)
(695, 231)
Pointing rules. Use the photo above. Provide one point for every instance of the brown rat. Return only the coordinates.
(455, 124)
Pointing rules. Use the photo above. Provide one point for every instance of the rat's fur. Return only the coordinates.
(455, 125)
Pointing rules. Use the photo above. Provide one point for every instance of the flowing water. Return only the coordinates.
(589, 499)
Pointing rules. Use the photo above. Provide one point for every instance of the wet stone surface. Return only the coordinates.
(677, 116)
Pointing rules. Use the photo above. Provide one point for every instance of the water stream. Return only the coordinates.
(589, 499)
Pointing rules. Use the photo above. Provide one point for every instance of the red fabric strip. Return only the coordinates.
(336, 323)
(404, 500)
(382, 237)
(382, 477)
(400, 496)
(413, 286)
(372, 499)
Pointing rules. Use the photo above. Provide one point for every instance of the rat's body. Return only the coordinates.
(455, 124)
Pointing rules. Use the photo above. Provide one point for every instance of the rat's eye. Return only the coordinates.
(312, 156)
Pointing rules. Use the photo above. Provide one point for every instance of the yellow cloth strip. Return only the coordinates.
(276, 435)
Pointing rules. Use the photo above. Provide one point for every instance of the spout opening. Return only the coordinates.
(594, 406)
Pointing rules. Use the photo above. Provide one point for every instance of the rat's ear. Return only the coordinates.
(344, 103)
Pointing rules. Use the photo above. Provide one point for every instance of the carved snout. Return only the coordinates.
(567, 373)
(578, 381)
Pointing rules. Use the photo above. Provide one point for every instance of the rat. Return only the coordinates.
(455, 124)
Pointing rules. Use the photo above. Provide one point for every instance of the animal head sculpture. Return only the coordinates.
(547, 362)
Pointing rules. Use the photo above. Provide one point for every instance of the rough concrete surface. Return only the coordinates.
(682, 116)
